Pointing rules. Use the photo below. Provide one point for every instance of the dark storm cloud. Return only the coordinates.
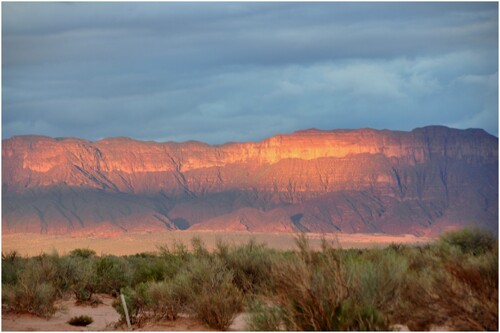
(220, 72)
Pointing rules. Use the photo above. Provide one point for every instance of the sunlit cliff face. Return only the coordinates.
(425, 172)
(42, 154)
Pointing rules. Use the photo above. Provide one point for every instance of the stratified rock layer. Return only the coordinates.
(421, 182)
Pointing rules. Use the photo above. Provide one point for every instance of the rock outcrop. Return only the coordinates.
(421, 182)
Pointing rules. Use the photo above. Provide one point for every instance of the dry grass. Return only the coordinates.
(450, 286)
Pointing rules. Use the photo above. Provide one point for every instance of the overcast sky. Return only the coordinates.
(219, 72)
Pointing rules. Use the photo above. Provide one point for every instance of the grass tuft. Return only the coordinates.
(81, 321)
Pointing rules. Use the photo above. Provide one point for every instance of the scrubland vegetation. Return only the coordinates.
(452, 282)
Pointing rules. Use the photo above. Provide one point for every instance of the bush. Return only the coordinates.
(150, 268)
(174, 259)
(377, 279)
(64, 271)
(55, 270)
(11, 262)
(310, 290)
(452, 287)
(151, 301)
(471, 241)
(36, 299)
(32, 292)
(207, 286)
(136, 300)
(251, 266)
(166, 300)
(217, 306)
(264, 317)
(361, 317)
(44, 296)
(84, 280)
(81, 321)
(82, 253)
(112, 274)
(471, 290)
(199, 248)
(322, 291)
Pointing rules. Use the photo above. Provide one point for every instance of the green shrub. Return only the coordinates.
(207, 286)
(264, 317)
(452, 287)
(82, 253)
(137, 301)
(148, 268)
(64, 273)
(166, 300)
(174, 259)
(36, 299)
(81, 321)
(46, 265)
(471, 241)
(112, 274)
(321, 291)
(251, 266)
(311, 298)
(83, 281)
(54, 270)
(472, 286)
(355, 316)
(377, 279)
(310, 290)
(11, 262)
(151, 301)
(221, 248)
(10, 255)
(179, 251)
(32, 292)
(199, 248)
(44, 296)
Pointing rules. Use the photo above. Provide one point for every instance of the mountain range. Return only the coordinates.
(421, 182)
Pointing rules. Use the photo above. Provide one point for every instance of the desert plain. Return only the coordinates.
(132, 243)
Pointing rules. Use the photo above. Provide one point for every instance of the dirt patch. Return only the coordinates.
(180, 324)
(240, 322)
(104, 317)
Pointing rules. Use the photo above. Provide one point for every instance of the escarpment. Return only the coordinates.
(422, 182)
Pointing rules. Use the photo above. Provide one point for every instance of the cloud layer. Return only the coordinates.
(220, 72)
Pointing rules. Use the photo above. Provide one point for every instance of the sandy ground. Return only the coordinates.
(105, 319)
(131, 243)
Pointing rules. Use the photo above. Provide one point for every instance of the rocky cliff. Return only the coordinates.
(423, 181)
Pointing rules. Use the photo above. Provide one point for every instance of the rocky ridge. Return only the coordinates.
(421, 182)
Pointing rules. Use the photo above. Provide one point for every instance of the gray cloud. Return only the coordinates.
(220, 72)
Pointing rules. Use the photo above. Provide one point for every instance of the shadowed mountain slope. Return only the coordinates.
(421, 182)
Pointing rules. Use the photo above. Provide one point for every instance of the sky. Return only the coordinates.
(220, 72)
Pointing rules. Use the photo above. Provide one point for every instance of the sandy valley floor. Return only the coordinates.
(126, 244)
